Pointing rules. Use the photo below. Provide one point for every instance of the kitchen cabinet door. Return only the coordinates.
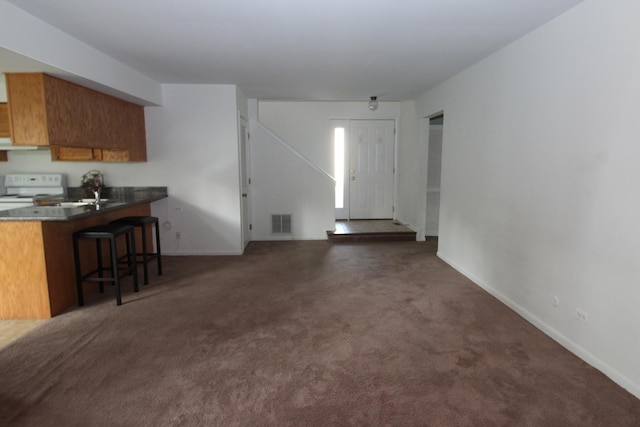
(68, 111)
(75, 154)
(27, 113)
(44, 110)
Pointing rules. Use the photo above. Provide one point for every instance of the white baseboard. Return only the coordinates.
(553, 333)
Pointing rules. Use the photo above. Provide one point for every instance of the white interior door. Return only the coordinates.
(371, 164)
(245, 183)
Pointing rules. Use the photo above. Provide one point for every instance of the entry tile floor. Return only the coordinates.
(370, 226)
(370, 230)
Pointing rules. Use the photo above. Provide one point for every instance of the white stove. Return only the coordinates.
(21, 189)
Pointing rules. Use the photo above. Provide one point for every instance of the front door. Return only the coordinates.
(371, 164)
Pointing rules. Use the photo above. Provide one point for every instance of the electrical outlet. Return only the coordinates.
(582, 315)
(178, 236)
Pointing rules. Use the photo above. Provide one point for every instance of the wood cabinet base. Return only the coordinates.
(37, 273)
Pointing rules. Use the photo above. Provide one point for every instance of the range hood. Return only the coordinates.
(5, 145)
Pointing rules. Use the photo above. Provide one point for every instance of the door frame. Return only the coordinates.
(245, 175)
(425, 128)
(345, 213)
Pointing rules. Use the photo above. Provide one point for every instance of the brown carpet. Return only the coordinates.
(303, 334)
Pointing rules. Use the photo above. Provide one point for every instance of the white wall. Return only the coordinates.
(411, 171)
(33, 41)
(195, 139)
(3, 89)
(282, 182)
(539, 179)
(305, 125)
(192, 147)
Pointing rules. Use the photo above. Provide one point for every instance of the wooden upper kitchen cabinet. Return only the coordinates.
(78, 123)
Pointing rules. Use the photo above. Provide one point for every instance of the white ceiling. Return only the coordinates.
(300, 49)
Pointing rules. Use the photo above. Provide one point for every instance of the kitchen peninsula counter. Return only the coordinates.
(37, 271)
(115, 198)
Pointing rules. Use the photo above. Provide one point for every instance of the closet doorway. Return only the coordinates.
(434, 167)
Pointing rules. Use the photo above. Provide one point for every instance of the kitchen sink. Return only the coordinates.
(71, 204)
(93, 201)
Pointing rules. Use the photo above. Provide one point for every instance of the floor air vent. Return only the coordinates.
(281, 223)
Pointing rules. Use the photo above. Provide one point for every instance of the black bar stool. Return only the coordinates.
(111, 232)
(143, 222)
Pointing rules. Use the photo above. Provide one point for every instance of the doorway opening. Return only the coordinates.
(434, 170)
(245, 181)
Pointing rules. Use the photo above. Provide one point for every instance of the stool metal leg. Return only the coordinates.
(128, 247)
(131, 251)
(114, 269)
(99, 255)
(145, 260)
(158, 254)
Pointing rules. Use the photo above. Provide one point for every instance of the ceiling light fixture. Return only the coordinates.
(373, 103)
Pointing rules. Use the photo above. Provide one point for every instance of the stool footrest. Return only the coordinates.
(88, 277)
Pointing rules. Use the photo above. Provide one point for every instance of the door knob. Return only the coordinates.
(244, 194)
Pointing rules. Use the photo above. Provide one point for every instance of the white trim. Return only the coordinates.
(244, 122)
(557, 336)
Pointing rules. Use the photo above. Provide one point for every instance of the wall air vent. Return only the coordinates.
(281, 223)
